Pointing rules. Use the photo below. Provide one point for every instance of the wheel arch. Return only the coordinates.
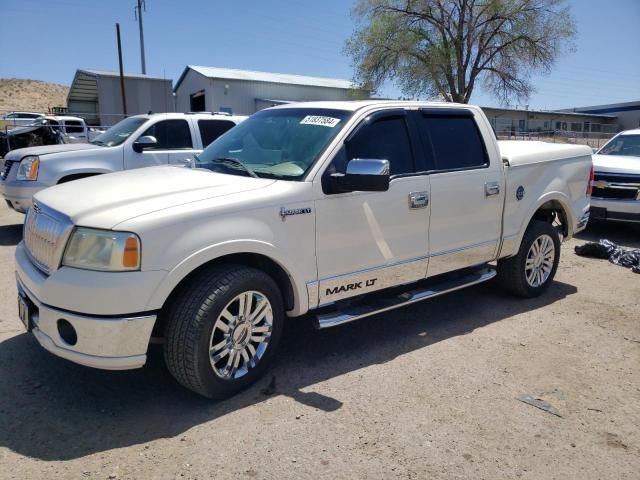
(77, 176)
(293, 299)
(546, 209)
(70, 175)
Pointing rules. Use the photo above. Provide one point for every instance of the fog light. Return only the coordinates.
(67, 332)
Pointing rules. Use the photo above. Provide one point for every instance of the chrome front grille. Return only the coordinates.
(45, 235)
(6, 168)
(616, 186)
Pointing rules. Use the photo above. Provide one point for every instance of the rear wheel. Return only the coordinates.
(223, 330)
(531, 271)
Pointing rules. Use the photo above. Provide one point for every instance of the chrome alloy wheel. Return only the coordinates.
(240, 335)
(539, 262)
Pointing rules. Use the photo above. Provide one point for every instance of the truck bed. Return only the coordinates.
(528, 152)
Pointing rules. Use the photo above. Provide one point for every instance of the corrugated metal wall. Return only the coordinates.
(142, 95)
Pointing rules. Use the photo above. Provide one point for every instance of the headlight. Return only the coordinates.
(102, 250)
(28, 168)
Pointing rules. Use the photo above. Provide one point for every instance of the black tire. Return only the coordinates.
(190, 323)
(511, 271)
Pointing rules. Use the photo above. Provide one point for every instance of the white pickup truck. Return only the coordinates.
(137, 141)
(339, 210)
(616, 188)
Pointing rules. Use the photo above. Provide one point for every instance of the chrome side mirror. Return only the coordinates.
(147, 141)
(364, 175)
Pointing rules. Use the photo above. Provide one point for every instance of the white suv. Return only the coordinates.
(138, 141)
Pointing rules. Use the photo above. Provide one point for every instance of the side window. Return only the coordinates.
(456, 142)
(212, 129)
(73, 126)
(387, 139)
(171, 134)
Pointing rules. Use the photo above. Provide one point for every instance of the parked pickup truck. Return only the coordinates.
(138, 141)
(616, 189)
(339, 210)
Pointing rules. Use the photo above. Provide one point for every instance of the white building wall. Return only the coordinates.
(193, 82)
(142, 96)
(241, 95)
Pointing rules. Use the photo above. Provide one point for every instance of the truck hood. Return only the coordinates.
(616, 164)
(104, 201)
(47, 149)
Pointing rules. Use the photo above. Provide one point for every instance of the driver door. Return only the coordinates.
(366, 241)
(173, 135)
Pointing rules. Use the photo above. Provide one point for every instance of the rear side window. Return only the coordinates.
(212, 129)
(170, 134)
(455, 140)
(73, 126)
(386, 139)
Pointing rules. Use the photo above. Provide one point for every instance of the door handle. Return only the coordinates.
(418, 199)
(491, 188)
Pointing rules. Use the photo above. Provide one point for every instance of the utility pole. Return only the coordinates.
(138, 14)
(124, 98)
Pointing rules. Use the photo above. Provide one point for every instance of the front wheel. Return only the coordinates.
(223, 330)
(531, 271)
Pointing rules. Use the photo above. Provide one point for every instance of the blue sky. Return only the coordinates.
(48, 40)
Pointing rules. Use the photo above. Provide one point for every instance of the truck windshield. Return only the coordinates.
(277, 143)
(119, 132)
(622, 145)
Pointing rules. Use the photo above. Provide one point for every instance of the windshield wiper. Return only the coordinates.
(234, 161)
(97, 142)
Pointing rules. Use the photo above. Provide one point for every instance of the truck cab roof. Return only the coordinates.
(353, 105)
(196, 115)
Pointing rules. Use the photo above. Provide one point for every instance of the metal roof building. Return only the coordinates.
(245, 92)
(628, 113)
(505, 120)
(95, 95)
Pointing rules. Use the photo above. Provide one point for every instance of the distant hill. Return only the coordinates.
(31, 95)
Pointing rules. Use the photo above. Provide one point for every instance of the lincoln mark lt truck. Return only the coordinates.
(336, 210)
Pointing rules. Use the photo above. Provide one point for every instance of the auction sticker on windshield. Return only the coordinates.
(320, 120)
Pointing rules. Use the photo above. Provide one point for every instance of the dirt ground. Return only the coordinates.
(428, 391)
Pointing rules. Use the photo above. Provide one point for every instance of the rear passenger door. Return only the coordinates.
(466, 190)
(75, 131)
(210, 130)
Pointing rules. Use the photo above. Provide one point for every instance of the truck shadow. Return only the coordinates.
(51, 409)
(10, 235)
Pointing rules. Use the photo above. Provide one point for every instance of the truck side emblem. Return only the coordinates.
(520, 193)
(285, 212)
(350, 286)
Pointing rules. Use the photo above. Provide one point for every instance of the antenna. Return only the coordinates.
(137, 13)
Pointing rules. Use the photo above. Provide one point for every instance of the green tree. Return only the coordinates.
(446, 48)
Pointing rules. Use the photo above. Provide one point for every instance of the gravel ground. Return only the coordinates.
(428, 391)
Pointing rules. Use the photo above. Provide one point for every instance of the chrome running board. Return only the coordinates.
(379, 304)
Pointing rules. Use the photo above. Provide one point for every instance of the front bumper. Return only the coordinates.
(616, 210)
(19, 194)
(93, 304)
